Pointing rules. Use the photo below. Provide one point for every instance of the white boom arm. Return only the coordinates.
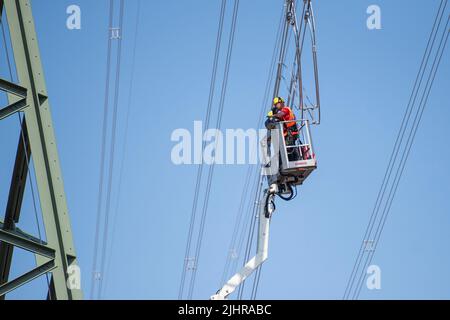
(262, 250)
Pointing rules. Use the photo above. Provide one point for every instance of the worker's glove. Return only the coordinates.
(270, 123)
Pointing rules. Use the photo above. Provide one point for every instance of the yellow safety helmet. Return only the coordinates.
(278, 100)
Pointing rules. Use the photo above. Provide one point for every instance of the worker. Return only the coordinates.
(281, 113)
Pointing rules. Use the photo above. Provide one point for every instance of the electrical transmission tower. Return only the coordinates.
(56, 255)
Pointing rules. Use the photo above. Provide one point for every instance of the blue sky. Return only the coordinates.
(366, 78)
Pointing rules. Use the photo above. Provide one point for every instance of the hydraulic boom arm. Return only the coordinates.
(265, 214)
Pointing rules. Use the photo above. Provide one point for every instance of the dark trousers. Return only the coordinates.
(291, 138)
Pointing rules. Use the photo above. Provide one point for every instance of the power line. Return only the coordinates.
(406, 154)
(218, 126)
(231, 251)
(251, 224)
(125, 141)
(258, 182)
(394, 155)
(103, 150)
(112, 149)
(245, 228)
(288, 16)
(251, 170)
(200, 169)
(8, 59)
(102, 227)
(251, 231)
(256, 283)
(296, 79)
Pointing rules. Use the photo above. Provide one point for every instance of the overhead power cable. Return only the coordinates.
(200, 168)
(104, 198)
(218, 127)
(233, 252)
(296, 81)
(125, 139)
(112, 152)
(405, 155)
(376, 221)
(103, 152)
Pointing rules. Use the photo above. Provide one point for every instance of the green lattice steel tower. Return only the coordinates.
(57, 255)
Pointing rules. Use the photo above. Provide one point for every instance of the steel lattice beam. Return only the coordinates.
(37, 138)
(22, 240)
(15, 106)
(14, 204)
(27, 277)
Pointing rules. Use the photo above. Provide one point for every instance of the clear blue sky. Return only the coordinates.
(366, 79)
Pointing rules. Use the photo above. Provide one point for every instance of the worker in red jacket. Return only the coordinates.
(282, 113)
